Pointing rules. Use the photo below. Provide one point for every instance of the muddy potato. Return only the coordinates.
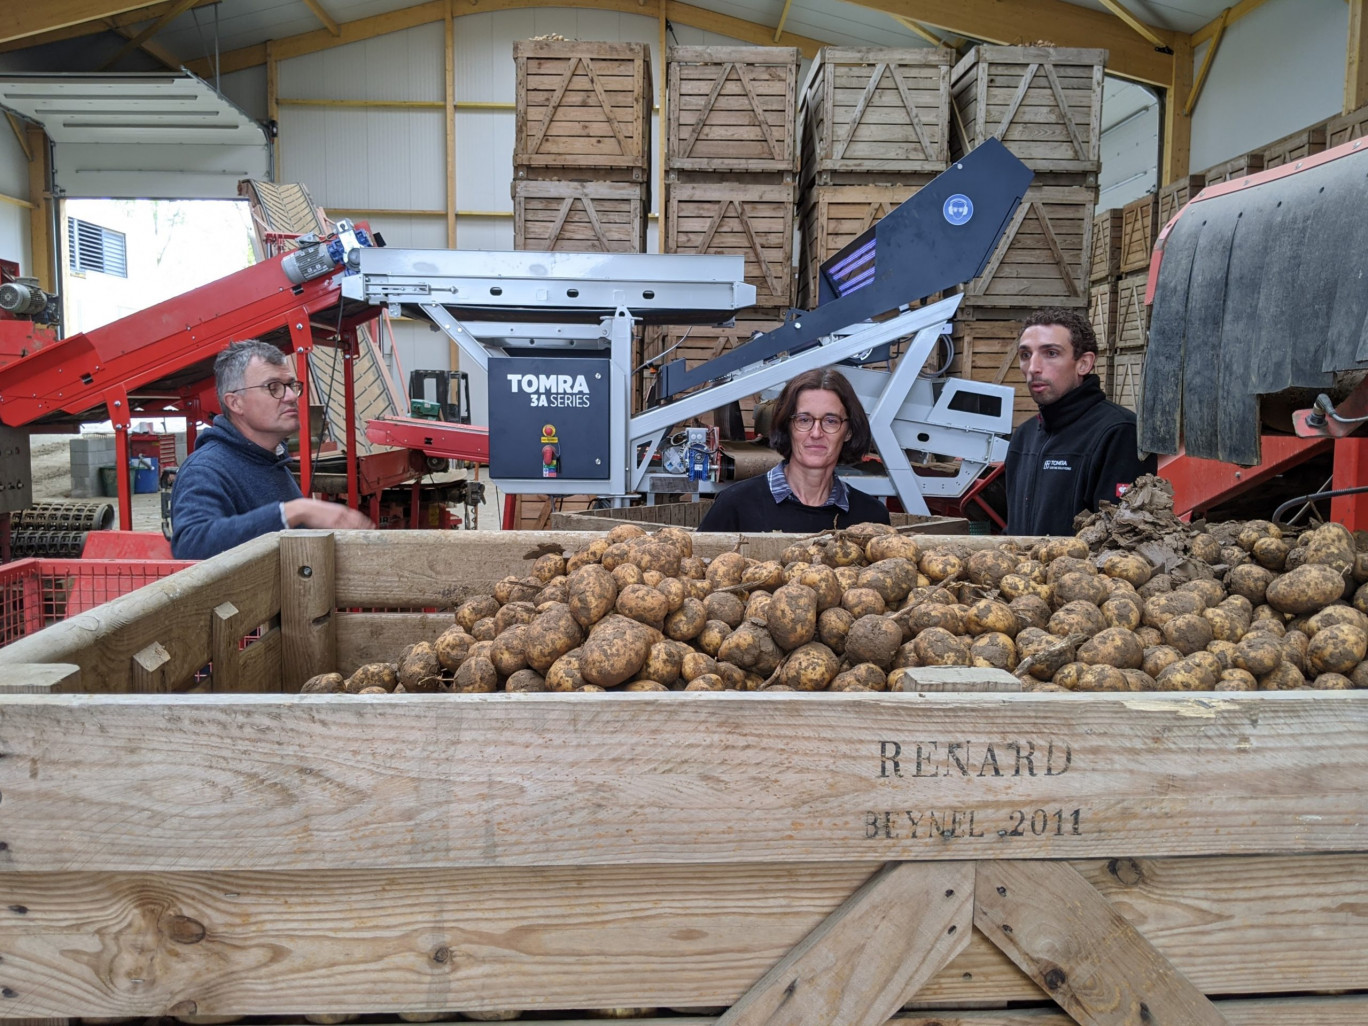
(892, 546)
(1031, 611)
(1283, 677)
(1267, 625)
(873, 639)
(696, 664)
(1139, 680)
(1070, 676)
(1149, 636)
(452, 645)
(766, 576)
(863, 533)
(1157, 658)
(644, 604)
(476, 675)
(1158, 584)
(1207, 589)
(548, 567)
(1043, 654)
(988, 616)
(1080, 587)
(564, 674)
(906, 655)
(725, 606)
(988, 567)
(1270, 553)
(1205, 547)
(1331, 544)
(1236, 680)
(1337, 648)
(1015, 586)
(1188, 633)
(925, 615)
(726, 570)
(517, 589)
(1331, 682)
(1114, 646)
(1187, 675)
(1331, 615)
(893, 579)
(939, 565)
(1249, 581)
(1226, 625)
(664, 661)
(323, 684)
(846, 576)
(1359, 675)
(938, 647)
(842, 551)
(614, 652)
(822, 580)
(592, 592)
(809, 667)
(994, 649)
(1101, 677)
(733, 676)
(471, 610)
(556, 591)
(832, 627)
(751, 647)
(706, 682)
(525, 681)
(553, 633)
(1076, 617)
(1360, 601)
(1122, 611)
(625, 574)
(793, 616)
(514, 613)
(1128, 567)
(1254, 530)
(674, 591)
(861, 675)
(1305, 589)
(1160, 609)
(1062, 565)
(711, 637)
(1054, 548)
(757, 606)
(480, 650)
(679, 538)
(625, 532)
(509, 652)
(484, 630)
(687, 622)
(651, 555)
(863, 602)
(383, 675)
(693, 568)
(1224, 651)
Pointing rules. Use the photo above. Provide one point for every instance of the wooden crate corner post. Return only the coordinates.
(308, 589)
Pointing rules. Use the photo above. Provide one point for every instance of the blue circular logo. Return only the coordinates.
(958, 209)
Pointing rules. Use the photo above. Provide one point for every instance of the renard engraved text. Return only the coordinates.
(944, 758)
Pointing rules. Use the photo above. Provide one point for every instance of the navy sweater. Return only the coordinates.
(228, 491)
(749, 506)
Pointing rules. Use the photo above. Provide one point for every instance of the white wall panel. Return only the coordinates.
(365, 159)
(156, 171)
(401, 232)
(484, 159)
(490, 233)
(247, 89)
(1278, 70)
(14, 237)
(406, 65)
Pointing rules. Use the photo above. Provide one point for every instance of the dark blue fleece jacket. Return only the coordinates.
(228, 491)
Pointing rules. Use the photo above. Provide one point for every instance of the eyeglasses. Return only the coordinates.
(276, 389)
(830, 423)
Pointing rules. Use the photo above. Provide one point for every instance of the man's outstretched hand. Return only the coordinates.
(316, 513)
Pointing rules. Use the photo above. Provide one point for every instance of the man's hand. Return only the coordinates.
(316, 513)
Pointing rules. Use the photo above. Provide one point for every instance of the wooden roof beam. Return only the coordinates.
(322, 15)
(157, 52)
(1144, 30)
(33, 19)
(177, 9)
(1025, 21)
(1224, 20)
(918, 30)
(91, 28)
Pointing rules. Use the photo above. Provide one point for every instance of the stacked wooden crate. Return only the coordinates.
(581, 168)
(1295, 147)
(1045, 104)
(875, 130)
(1346, 127)
(581, 160)
(731, 165)
(1176, 195)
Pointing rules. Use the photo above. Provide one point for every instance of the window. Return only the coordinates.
(92, 248)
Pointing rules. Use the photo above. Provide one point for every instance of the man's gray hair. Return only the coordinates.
(230, 367)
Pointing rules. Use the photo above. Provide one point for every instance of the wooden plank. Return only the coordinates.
(985, 350)
(1237, 167)
(1127, 379)
(732, 108)
(1346, 127)
(1042, 258)
(870, 955)
(582, 217)
(751, 221)
(1102, 315)
(1239, 777)
(1132, 315)
(956, 678)
(147, 673)
(39, 678)
(1294, 147)
(378, 637)
(1080, 950)
(1174, 196)
(1106, 246)
(175, 611)
(308, 594)
(558, 938)
(1139, 229)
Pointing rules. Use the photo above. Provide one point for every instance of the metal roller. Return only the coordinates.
(66, 516)
(40, 543)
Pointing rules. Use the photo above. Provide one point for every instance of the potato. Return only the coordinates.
(1042, 655)
(822, 580)
(1337, 648)
(725, 606)
(564, 674)
(1254, 530)
(614, 652)
(711, 637)
(863, 602)
(548, 567)
(1062, 565)
(1207, 589)
(370, 675)
(809, 667)
(693, 568)
(1283, 677)
(652, 554)
(1160, 609)
(751, 647)
(516, 589)
(1158, 584)
(1188, 633)
(1101, 677)
(1128, 567)
(995, 649)
(1139, 680)
(1205, 547)
(1031, 611)
(1224, 651)
(592, 593)
(726, 570)
(938, 647)
(1157, 658)
(675, 592)
(476, 675)
(841, 551)
(793, 616)
(1295, 645)
(484, 630)
(1249, 581)
(1015, 586)
(1076, 618)
(627, 573)
(1149, 636)
(1305, 589)
(706, 682)
(1226, 625)
(508, 654)
(696, 664)
(480, 650)
(664, 662)
(925, 615)
(988, 616)
(733, 677)
(758, 606)
(625, 533)
(686, 622)
(1237, 680)
(1122, 611)
(1054, 548)
(1336, 614)
(1079, 587)
(1331, 545)
(892, 546)
(832, 627)
(939, 565)
(514, 613)
(1070, 676)
(988, 567)
(525, 681)
(1332, 682)
(553, 633)
(1270, 553)
(644, 604)
(873, 639)
(471, 610)
(1114, 646)
(323, 684)
(1187, 675)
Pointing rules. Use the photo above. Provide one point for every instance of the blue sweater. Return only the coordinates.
(228, 491)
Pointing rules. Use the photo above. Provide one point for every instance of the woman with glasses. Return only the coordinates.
(237, 483)
(818, 423)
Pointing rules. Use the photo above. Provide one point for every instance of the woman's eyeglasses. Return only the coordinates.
(276, 389)
(830, 423)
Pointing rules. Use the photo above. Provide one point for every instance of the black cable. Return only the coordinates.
(1314, 497)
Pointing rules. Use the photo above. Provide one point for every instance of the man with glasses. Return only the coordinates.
(237, 483)
(1081, 449)
(818, 423)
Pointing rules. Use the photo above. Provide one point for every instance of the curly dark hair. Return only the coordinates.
(1081, 334)
(825, 379)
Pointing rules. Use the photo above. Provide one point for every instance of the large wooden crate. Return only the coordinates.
(1044, 103)
(831, 216)
(1042, 257)
(582, 217)
(876, 114)
(1295, 147)
(535, 512)
(1132, 315)
(1105, 263)
(1347, 127)
(1102, 314)
(1139, 229)
(1126, 373)
(986, 350)
(1236, 167)
(582, 107)
(737, 219)
(695, 344)
(1176, 195)
(1164, 857)
(732, 108)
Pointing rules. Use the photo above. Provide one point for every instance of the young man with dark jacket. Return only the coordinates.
(1080, 448)
(237, 483)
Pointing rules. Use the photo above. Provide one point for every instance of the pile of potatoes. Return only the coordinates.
(854, 611)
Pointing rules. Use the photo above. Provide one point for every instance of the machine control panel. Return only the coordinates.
(549, 418)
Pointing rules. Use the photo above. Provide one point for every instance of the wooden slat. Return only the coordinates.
(1239, 778)
(378, 637)
(1080, 950)
(1294, 147)
(1127, 378)
(1174, 196)
(692, 935)
(751, 221)
(732, 108)
(1346, 127)
(1237, 167)
(581, 217)
(1132, 315)
(1139, 228)
(1102, 315)
(985, 350)
(871, 955)
(308, 595)
(39, 678)
(1106, 246)
(1042, 257)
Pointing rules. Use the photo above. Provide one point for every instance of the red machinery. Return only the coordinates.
(1258, 304)
(159, 361)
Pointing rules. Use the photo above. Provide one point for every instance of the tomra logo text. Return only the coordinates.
(551, 389)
